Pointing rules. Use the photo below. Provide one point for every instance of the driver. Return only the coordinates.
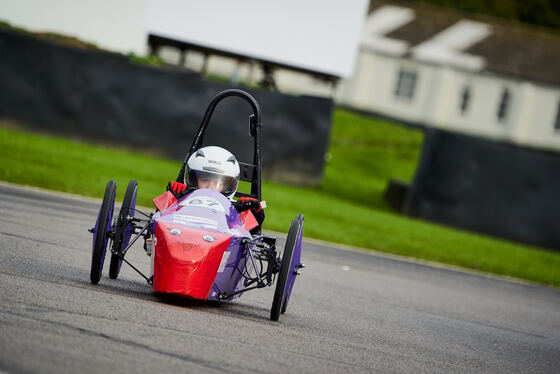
(216, 168)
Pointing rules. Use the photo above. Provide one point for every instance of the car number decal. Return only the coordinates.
(204, 202)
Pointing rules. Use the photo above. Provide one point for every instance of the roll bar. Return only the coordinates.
(249, 172)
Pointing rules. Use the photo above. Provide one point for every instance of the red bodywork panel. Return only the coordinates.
(164, 200)
(185, 263)
(248, 219)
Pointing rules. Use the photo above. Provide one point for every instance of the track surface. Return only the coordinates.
(349, 312)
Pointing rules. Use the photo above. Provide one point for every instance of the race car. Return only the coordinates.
(200, 246)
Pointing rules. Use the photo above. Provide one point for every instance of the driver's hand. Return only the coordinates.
(177, 189)
(250, 203)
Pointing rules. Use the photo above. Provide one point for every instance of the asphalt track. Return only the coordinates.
(350, 311)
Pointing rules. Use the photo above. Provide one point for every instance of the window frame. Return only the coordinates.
(504, 105)
(556, 123)
(405, 84)
(465, 99)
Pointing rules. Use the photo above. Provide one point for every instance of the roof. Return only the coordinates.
(156, 41)
(467, 41)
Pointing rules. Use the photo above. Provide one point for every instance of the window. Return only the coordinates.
(465, 99)
(504, 105)
(405, 84)
(557, 120)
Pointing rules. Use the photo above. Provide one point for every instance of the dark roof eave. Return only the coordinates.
(156, 41)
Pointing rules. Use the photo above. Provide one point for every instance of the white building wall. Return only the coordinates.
(522, 113)
(530, 115)
(545, 110)
(481, 117)
(445, 100)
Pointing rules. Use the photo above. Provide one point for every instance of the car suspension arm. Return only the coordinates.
(224, 296)
(149, 280)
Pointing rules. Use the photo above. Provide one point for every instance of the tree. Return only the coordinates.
(538, 12)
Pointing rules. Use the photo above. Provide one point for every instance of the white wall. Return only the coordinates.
(436, 102)
(530, 117)
(116, 25)
(543, 115)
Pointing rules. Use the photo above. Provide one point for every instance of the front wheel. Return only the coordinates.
(123, 228)
(288, 269)
(101, 232)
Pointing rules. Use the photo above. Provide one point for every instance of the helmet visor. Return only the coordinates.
(204, 179)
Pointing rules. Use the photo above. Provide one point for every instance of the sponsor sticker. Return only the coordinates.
(223, 264)
(187, 219)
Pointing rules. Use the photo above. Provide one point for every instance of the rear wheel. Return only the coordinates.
(288, 269)
(285, 305)
(101, 232)
(123, 229)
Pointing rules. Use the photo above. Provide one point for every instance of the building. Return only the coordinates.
(480, 76)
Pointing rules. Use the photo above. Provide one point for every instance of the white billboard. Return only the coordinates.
(318, 35)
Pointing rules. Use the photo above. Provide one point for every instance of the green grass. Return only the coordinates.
(364, 154)
(347, 208)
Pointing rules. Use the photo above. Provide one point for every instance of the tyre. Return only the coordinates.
(285, 305)
(123, 229)
(295, 264)
(288, 268)
(101, 232)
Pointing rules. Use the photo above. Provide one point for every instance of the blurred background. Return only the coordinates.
(373, 111)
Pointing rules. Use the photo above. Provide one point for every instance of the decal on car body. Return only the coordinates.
(204, 202)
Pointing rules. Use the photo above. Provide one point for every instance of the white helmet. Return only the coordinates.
(215, 168)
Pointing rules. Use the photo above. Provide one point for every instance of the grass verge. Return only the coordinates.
(347, 208)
